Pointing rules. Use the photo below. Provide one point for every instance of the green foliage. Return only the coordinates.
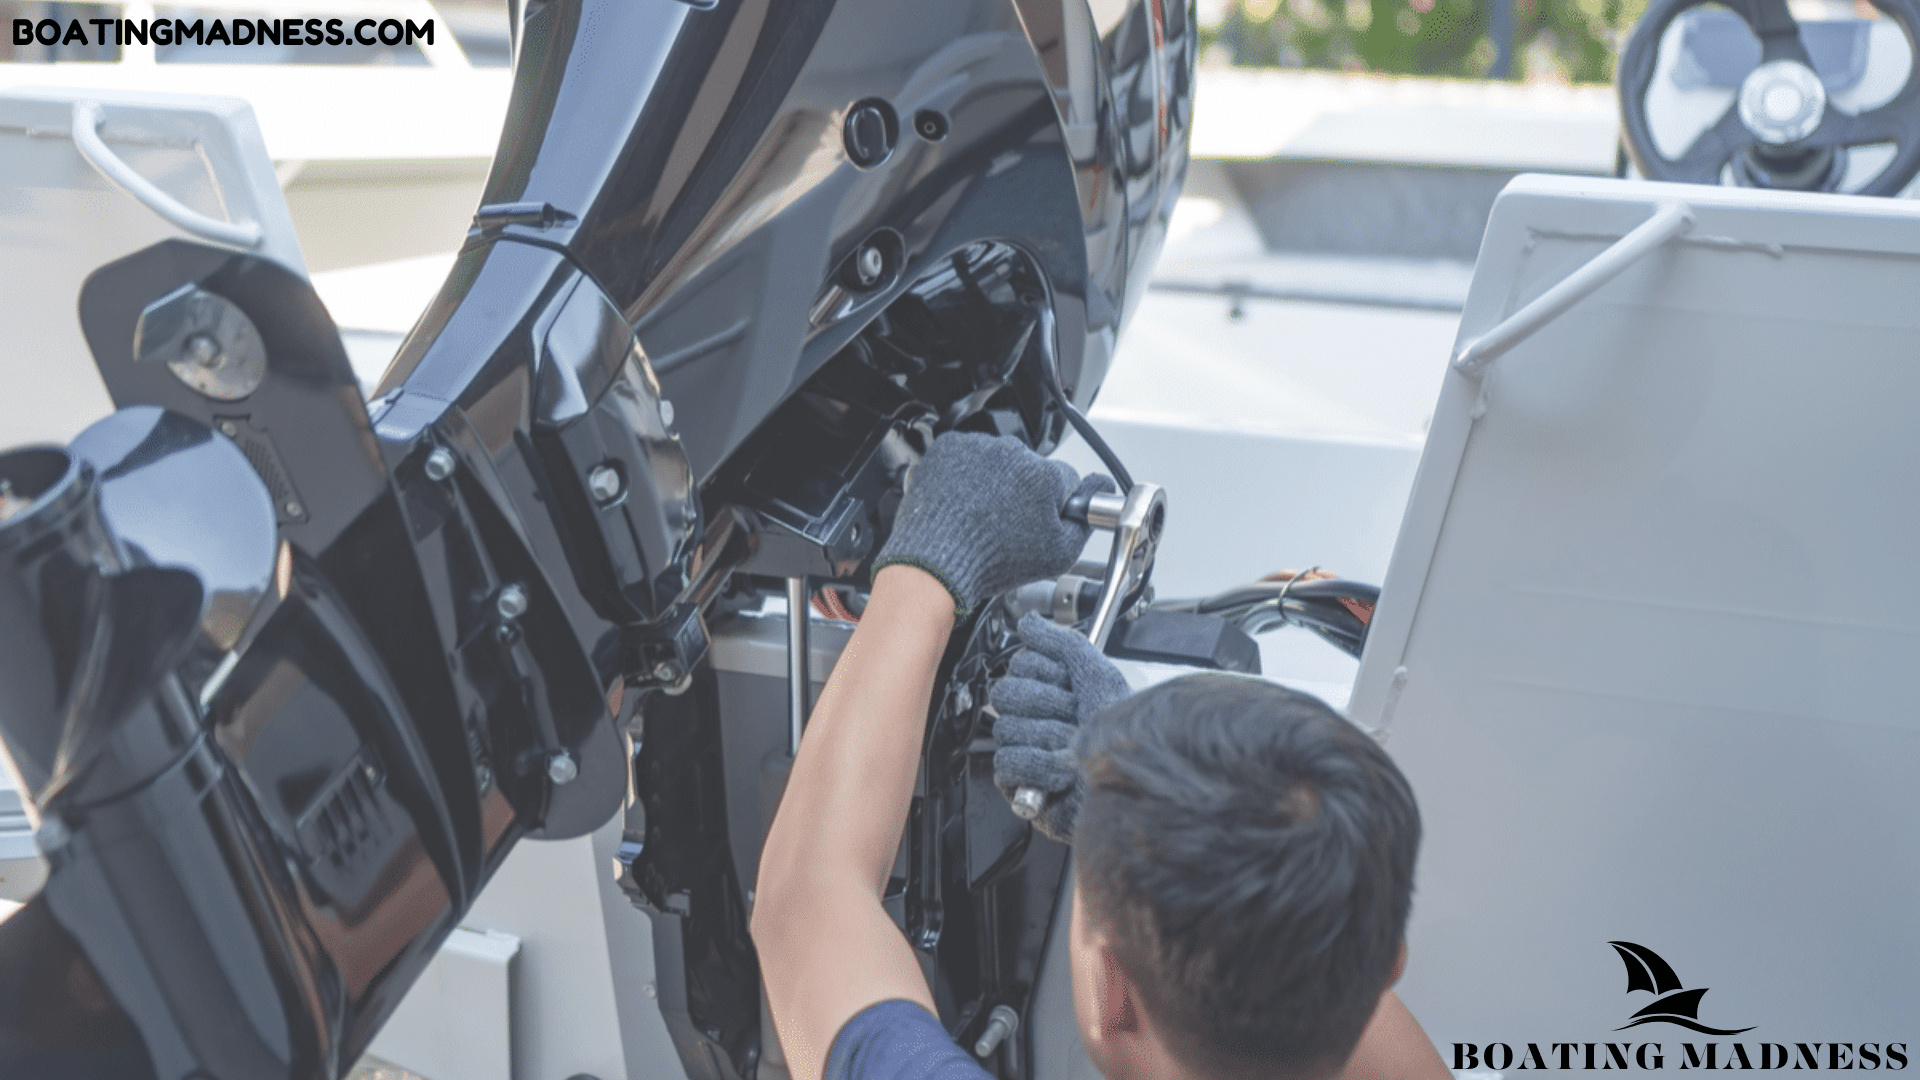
(1563, 40)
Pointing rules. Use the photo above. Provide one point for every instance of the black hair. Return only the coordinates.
(1250, 855)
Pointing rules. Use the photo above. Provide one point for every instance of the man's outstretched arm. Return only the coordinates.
(827, 947)
(981, 516)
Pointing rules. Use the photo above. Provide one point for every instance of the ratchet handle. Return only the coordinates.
(1135, 519)
(1098, 509)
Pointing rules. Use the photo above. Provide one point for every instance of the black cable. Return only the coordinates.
(1262, 592)
(1050, 368)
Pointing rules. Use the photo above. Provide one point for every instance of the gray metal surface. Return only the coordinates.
(1644, 644)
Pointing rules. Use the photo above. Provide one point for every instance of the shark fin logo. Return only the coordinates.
(1646, 971)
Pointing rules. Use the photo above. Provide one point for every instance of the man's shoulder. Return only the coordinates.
(898, 1040)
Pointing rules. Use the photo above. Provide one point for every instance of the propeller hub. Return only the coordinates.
(1782, 102)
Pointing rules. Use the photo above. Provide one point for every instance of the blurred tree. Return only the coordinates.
(1560, 40)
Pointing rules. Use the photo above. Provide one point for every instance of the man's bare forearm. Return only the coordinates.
(847, 796)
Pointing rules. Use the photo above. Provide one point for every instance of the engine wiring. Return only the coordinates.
(1336, 609)
(829, 604)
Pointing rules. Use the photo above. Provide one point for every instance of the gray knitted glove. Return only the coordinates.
(982, 514)
(1058, 682)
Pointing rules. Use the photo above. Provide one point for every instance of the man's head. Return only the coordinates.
(1245, 866)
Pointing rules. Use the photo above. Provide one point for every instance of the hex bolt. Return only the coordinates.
(561, 768)
(870, 264)
(604, 484)
(1001, 1022)
(439, 464)
(512, 602)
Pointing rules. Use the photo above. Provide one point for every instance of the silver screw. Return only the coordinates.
(294, 509)
(604, 483)
(439, 464)
(202, 350)
(512, 602)
(483, 777)
(666, 412)
(650, 991)
(561, 768)
(871, 264)
(665, 672)
(1001, 1022)
(229, 429)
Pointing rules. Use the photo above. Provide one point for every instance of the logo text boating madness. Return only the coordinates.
(1680, 1007)
(222, 32)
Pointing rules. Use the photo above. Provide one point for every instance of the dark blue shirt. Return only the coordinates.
(898, 1040)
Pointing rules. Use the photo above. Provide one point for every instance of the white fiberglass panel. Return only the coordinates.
(1645, 642)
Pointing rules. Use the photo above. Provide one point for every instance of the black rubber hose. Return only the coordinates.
(1050, 369)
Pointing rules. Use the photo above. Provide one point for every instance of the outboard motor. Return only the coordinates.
(286, 676)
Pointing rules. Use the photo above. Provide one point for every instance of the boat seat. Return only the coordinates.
(1646, 641)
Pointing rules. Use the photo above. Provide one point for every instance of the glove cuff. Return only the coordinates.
(961, 609)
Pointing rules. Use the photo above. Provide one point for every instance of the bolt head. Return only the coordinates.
(870, 264)
(439, 464)
(229, 428)
(202, 350)
(294, 509)
(561, 768)
(512, 602)
(665, 671)
(604, 484)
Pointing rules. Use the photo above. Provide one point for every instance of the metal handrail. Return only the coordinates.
(86, 139)
(1671, 217)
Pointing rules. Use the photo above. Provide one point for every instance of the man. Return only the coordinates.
(1244, 857)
